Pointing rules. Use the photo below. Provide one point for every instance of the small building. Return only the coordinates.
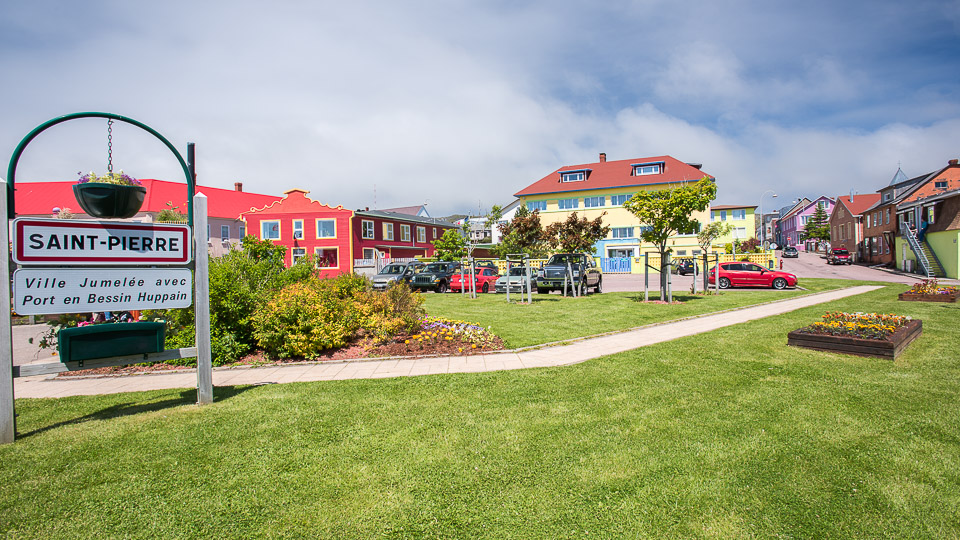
(382, 235)
(785, 230)
(934, 202)
(307, 228)
(880, 226)
(846, 223)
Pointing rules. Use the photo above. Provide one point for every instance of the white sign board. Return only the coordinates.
(85, 243)
(38, 291)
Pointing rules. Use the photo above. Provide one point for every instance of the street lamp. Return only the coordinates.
(763, 223)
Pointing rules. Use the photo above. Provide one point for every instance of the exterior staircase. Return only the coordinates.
(929, 264)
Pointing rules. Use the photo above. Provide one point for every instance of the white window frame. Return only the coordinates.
(645, 169)
(422, 235)
(594, 202)
(573, 176)
(263, 229)
(298, 229)
(367, 229)
(404, 233)
(622, 232)
(317, 256)
(224, 233)
(369, 253)
(618, 200)
(537, 205)
(388, 231)
(332, 220)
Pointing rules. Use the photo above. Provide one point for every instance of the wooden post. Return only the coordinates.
(646, 277)
(201, 284)
(8, 423)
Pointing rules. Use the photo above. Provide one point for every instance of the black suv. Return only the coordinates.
(435, 276)
(585, 273)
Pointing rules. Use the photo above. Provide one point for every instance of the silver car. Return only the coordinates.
(517, 281)
(396, 272)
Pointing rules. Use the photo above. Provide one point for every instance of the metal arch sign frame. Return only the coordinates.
(15, 159)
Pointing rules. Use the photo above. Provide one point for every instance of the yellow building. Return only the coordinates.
(742, 221)
(594, 188)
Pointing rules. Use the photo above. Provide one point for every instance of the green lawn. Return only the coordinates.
(522, 325)
(726, 434)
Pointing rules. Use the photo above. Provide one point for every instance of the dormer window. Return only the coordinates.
(641, 169)
(887, 196)
(573, 176)
(940, 184)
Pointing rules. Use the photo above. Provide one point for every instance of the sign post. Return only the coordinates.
(202, 313)
(8, 429)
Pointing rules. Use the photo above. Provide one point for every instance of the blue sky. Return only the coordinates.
(462, 104)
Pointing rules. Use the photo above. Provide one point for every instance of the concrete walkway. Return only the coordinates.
(46, 386)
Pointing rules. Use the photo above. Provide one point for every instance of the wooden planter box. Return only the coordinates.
(914, 297)
(889, 348)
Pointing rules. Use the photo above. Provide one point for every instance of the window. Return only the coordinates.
(435, 232)
(325, 257)
(369, 253)
(243, 230)
(208, 231)
(537, 205)
(681, 252)
(366, 229)
(622, 232)
(718, 215)
(326, 228)
(270, 230)
(640, 170)
(803, 220)
(567, 204)
(593, 202)
(404, 233)
(940, 184)
(422, 235)
(930, 215)
(887, 196)
(888, 216)
(645, 228)
(740, 232)
(298, 228)
(618, 200)
(739, 214)
(388, 231)
(575, 176)
(224, 232)
(297, 254)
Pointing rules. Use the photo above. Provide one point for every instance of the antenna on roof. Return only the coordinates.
(374, 196)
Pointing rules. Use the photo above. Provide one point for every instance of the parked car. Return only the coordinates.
(584, 270)
(790, 252)
(839, 256)
(517, 281)
(396, 273)
(484, 279)
(686, 266)
(435, 276)
(746, 274)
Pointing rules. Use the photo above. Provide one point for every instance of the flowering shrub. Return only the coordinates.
(109, 178)
(467, 335)
(861, 325)
(931, 286)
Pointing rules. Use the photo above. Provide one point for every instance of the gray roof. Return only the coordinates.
(897, 178)
(404, 217)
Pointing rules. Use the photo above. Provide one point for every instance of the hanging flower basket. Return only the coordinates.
(113, 195)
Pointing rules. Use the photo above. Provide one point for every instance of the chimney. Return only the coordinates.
(851, 195)
(951, 162)
(238, 186)
(603, 157)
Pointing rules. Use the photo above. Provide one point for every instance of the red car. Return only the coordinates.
(746, 274)
(485, 280)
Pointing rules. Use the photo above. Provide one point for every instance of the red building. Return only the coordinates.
(306, 227)
(846, 223)
(391, 235)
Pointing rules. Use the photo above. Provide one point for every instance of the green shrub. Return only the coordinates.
(390, 313)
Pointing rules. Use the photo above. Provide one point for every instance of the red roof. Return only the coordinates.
(860, 203)
(615, 174)
(39, 198)
(731, 206)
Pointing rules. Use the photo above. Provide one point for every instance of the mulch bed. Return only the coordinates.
(354, 351)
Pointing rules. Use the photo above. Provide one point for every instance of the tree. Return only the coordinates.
(668, 212)
(171, 214)
(523, 234)
(576, 235)
(452, 246)
(711, 232)
(818, 226)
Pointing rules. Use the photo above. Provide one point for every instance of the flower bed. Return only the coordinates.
(862, 334)
(439, 335)
(929, 290)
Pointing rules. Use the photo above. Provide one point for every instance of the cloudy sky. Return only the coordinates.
(461, 104)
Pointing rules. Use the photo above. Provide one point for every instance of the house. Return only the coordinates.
(846, 223)
(793, 224)
(380, 235)
(880, 226)
(934, 200)
(225, 227)
(591, 189)
(419, 211)
(785, 231)
(506, 216)
(741, 218)
(307, 228)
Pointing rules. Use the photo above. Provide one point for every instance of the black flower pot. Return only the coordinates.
(109, 200)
